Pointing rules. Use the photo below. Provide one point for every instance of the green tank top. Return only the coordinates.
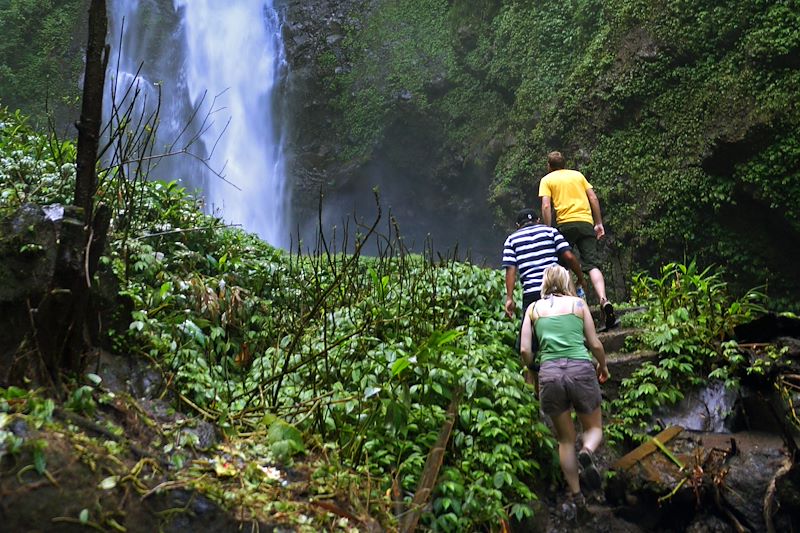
(560, 337)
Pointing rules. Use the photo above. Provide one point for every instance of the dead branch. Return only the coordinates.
(427, 482)
(769, 495)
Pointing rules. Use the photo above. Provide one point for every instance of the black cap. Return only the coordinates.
(525, 216)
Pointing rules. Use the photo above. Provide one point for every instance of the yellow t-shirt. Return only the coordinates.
(567, 190)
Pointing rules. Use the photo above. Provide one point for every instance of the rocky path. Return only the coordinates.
(599, 514)
(737, 470)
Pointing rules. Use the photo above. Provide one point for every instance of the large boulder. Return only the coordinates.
(32, 245)
(28, 251)
(47, 291)
(692, 473)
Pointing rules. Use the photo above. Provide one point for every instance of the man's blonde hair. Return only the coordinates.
(557, 280)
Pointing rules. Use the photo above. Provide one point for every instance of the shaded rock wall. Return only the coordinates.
(681, 116)
(426, 185)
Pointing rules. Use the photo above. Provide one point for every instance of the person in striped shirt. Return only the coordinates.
(528, 252)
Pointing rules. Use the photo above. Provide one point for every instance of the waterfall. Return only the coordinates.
(221, 63)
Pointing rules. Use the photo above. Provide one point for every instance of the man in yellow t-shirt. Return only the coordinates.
(578, 219)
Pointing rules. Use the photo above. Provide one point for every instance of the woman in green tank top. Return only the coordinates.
(567, 378)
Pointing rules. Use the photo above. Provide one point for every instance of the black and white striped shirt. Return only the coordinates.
(532, 249)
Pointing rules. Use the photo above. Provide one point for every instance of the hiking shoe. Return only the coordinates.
(569, 511)
(591, 476)
(574, 508)
(608, 313)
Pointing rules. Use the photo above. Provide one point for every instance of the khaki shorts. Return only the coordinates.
(565, 383)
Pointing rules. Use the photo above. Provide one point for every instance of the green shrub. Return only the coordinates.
(690, 314)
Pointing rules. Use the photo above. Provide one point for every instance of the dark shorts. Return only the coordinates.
(582, 238)
(565, 383)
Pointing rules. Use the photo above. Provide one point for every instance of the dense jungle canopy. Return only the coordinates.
(681, 114)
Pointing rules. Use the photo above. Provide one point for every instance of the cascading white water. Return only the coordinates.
(223, 63)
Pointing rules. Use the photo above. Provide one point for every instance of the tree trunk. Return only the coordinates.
(91, 109)
(59, 319)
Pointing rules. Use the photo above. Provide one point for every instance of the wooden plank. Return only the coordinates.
(646, 449)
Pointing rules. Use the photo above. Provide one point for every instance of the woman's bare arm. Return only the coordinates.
(593, 341)
(525, 345)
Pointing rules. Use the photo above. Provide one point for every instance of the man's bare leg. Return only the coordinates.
(599, 284)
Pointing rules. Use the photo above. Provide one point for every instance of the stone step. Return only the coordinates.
(619, 311)
(614, 339)
(622, 366)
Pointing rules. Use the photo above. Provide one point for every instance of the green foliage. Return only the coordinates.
(384, 346)
(403, 62)
(81, 400)
(690, 313)
(682, 114)
(362, 353)
(657, 103)
(33, 167)
(373, 348)
(40, 63)
(284, 439)
(16, 403)
(775, 175)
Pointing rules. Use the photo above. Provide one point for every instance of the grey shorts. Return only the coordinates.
(565, 383)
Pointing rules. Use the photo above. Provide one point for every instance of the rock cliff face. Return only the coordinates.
(680, 117)
(314, 30)
(428, 188)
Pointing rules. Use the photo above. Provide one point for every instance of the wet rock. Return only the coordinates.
(709, 524)
(727, 473)
(787, 489)
(749, 474)
(161, 411)
(130, 375)
(19, 428)
(767, 328)
(614, 340)
(792, 346)
(28, 253)
(202, 435)
(199, 514)
(711, 408)
(595, 518)
(36, 248)
(300, 39)
(759, 411)
(147, 382)
(622, 366)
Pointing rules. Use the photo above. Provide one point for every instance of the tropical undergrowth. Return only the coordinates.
(319, 349)
(323, 351)
(689, 320)
(363, 353)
